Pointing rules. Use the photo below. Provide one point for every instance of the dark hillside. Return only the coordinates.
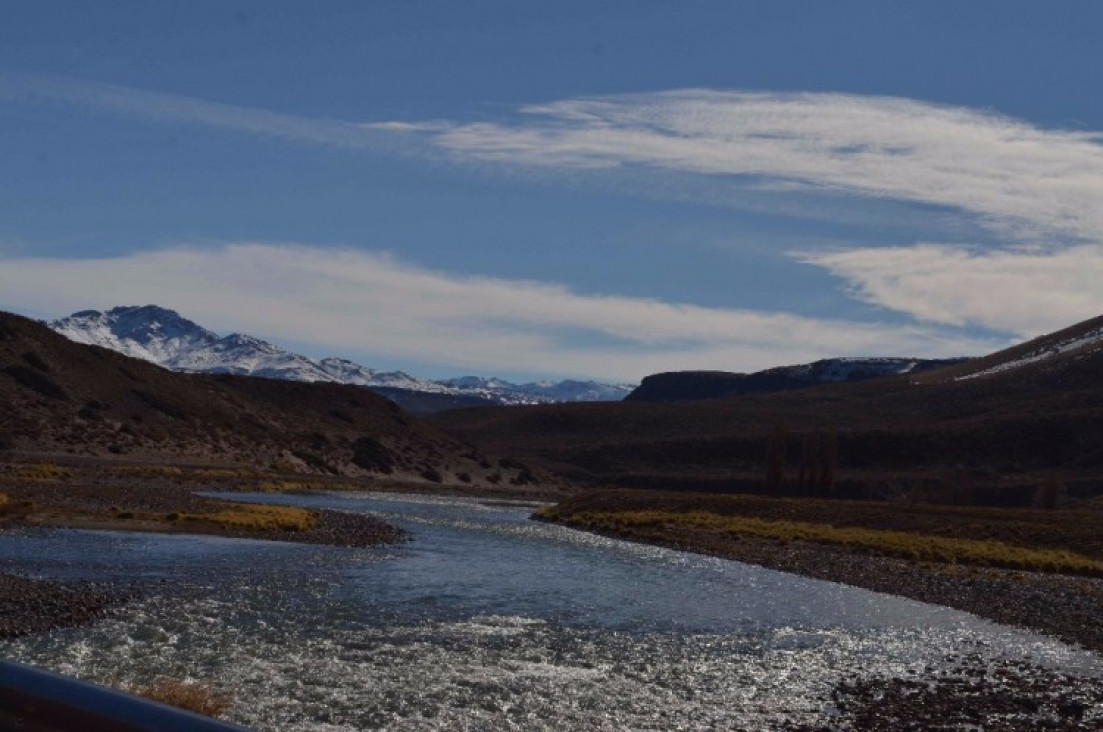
(678, 386)
(1068, 357)
(60, 397)
(425, 402)
(996, 438)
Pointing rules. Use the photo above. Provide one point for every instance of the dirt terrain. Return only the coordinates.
(93, 439)
(62, 398)
(999, 430)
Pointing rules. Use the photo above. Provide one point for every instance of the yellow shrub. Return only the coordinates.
(151, 471)
(295, 486)
(43, 471)
(258, 518)
(217, 473)
(920, 547)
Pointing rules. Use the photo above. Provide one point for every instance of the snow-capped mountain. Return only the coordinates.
(545, 391)
(149, 332)
(170, 340)
(577, 391)
(350, 372)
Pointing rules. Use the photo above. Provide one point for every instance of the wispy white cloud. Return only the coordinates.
(178, 109)
(1034, 185)
(344, 301)
(1030, 184)
(1009, 172)
(1015, 176)
(1022, 291)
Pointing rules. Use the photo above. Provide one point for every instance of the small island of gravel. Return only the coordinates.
(148, 498)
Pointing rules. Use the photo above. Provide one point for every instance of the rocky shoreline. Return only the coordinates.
(967, 693)
(337, 528)
(139, 503)
(1066, 607)
(29, 606)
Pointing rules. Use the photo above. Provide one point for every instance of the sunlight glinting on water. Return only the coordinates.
(489, 621)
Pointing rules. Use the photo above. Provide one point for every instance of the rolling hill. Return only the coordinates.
(58, 397)
(989, 430)
(679, 386)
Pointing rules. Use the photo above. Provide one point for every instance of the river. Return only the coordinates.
(488, 620)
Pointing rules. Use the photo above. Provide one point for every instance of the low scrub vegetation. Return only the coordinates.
(313, 461)
(190, 695)
(159, 403)
(222, 473)
(1073, 530)
(370, 454)
(300, 486)
(785, 521)
(42, 472)
(255, 518)
(36, 381)
(148, 471)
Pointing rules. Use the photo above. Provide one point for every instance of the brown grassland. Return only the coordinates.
(1044, 566)
(88, 493)
(1060, 541)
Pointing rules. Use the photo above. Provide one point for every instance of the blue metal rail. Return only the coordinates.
(36, 700)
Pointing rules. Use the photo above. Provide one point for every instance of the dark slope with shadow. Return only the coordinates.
(1013, 425)
(60, 397)
(680, 386)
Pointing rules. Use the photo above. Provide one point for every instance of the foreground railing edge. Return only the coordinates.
(37, 699)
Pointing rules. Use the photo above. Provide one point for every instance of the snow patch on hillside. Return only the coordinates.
(1089, 342)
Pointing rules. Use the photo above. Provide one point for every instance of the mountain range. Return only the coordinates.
(166, 338)
(993, 430)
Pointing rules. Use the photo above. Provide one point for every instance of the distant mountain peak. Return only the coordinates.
(166, 338)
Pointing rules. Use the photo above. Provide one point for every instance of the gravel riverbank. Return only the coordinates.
(969, 693)
(1066, 607)
(966, 693)
(34, 606)
(29, 606)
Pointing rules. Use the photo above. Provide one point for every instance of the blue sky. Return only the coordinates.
(560, 189)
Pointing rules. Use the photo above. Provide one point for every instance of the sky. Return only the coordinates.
(560, 190)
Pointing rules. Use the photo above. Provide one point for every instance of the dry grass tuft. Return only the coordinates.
(147, 471)
(258, 518)
(189, 695)
(918, 547)
(43, 472)
(298, 486)
(224, 473)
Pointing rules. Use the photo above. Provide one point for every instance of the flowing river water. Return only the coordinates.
(488, 620)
